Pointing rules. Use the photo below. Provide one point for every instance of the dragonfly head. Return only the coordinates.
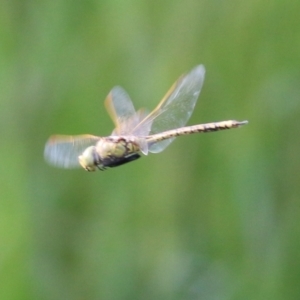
(90, 159)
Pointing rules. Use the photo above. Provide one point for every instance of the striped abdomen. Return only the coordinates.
(208, 127)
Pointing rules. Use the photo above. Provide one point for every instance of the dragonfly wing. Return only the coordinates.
(63, 150)
(121, 110)
(176, 107)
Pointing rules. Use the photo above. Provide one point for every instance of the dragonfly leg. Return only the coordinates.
(101, 168)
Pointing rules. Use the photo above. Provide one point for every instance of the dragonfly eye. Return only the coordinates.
(89, 159)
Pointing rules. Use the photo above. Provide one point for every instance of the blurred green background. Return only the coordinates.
(214, 216)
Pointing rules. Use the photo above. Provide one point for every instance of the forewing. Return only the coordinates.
(121, 111)
(63, 150)
(176, 107)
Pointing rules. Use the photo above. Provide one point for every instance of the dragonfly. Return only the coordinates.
(136, 132)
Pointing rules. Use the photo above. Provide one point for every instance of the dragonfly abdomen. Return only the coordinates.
(201, 128)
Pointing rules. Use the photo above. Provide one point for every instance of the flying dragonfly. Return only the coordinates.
(136, 132)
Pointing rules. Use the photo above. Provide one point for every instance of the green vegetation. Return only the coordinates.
(214, 216)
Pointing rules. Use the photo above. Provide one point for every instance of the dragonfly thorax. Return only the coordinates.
(109, 152)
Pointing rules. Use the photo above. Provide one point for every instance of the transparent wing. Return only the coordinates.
(175, 108)
(121, 110)
(63, 150)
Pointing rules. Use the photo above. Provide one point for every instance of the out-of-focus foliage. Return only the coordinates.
(214, 216)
